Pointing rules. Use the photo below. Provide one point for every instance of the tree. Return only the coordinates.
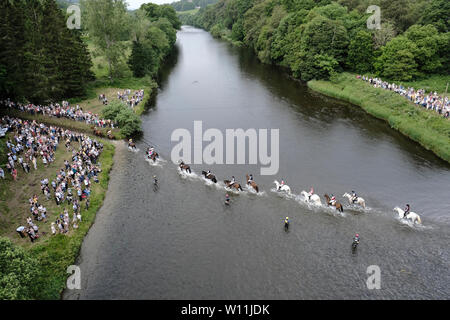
(397, 60)
(437, 13)
(427, 55)
(18, 272)
(322, 38)
(105, 21)
(361, 52)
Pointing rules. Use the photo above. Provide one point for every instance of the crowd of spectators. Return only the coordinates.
(73, 182)
(430, 101)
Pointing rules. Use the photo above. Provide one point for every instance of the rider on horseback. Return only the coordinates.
(233, 181)
(281, 185)
(311, 192)
(354, 196)
(407, 208)
(250, 179)
(227, 199)
(356, 238)
(333, 200)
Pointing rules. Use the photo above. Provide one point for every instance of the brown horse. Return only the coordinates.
(252, 183)
(235, 185)
(209, 176)
(185, 167)
(337, 204)
(98, 133)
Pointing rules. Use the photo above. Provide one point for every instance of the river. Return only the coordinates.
(181, 242)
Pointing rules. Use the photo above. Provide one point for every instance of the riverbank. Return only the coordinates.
(52, 253)
(426, 127)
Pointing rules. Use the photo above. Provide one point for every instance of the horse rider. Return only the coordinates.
(227, 199)
(155, 180)
(311, 192)
(333, 200)
(250, 178)
(281, 185)
(407, 208)
(356, 238)
(286, 223)
(233, 181)
(208, 173)
(354, 196)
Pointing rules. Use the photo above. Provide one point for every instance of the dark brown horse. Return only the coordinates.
(185, 167)
(252, 183)
(230, 185)
(209, 176)
(337, 204)
(98, 132)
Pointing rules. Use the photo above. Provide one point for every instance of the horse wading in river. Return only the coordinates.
(359, 200)
(337, 204)
(314, 199)
(230, 185)
(252, 183)
(412, 216)
(209, 176)
(284, 188)
(185, 167)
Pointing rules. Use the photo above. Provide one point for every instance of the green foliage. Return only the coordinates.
(129, 122)
(18, 272)
(396, 61)
(437, 13)
(106, 21)
(317, 38)
(155, 41)
(41, 59)
(361, 52)
(154, 12)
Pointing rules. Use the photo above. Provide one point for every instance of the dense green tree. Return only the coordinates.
(105, 21)
(361, 52)
(397, 60)
(18, 272)
(437, 13)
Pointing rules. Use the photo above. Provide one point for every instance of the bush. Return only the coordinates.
(18, 272)
(128, 121)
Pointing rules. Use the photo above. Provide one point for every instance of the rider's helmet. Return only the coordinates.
(357, 235)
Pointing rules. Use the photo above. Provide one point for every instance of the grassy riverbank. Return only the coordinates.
(426, 127)
(52, 253)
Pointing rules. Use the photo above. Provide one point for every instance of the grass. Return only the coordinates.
(192, 11)
(426, 127)
(54, 253)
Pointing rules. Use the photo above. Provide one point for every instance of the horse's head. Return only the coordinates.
(400, 212)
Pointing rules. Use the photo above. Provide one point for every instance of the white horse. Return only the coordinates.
(315, 199)
(359, 200)
(412, 216)
(282, 188)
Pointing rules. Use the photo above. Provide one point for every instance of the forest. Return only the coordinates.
(316, 39)
(42, 60)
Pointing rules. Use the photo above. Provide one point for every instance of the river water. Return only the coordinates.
(181, 242)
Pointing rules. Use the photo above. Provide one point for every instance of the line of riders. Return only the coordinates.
(310, 196)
